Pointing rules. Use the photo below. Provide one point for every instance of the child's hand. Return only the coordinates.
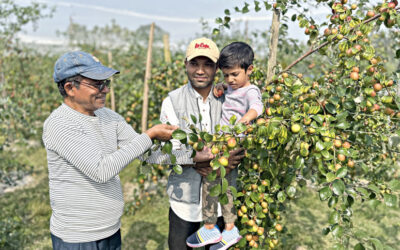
(219, 89)
(244, 120)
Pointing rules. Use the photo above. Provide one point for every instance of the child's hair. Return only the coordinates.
(236, 54)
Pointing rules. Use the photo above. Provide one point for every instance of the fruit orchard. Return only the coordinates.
(332, 131)
(329, 126)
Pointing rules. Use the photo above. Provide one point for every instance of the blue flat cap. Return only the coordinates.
(81, 63)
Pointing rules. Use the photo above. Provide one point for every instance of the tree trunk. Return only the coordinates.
(146, 80)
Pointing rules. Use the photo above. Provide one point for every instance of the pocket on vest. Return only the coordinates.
(184, 187)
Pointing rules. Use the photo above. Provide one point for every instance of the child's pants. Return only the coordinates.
(210, 203)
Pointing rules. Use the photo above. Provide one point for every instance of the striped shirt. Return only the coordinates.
(85, 154)
(239, 101)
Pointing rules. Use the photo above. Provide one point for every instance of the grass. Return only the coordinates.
(148, 227)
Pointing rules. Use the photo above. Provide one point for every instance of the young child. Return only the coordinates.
(243, 100)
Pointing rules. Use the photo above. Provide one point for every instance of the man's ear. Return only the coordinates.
(69, 88)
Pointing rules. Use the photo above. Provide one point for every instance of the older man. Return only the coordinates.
(87, 146)
(194, 98)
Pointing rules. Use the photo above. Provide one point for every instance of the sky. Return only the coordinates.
(178, 17)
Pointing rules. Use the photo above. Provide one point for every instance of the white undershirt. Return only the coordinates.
(187, 211)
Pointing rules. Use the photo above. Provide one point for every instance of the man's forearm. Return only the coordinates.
(182, 157)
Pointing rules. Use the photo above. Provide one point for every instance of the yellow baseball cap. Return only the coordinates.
(202, 47)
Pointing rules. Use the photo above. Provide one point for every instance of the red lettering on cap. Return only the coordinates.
(201, 45)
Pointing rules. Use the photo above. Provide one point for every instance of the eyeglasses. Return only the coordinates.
(100, 85)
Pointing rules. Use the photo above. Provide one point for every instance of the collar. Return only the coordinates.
(196, 95)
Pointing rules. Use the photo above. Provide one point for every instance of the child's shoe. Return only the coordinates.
(229, 238)
(204, 236)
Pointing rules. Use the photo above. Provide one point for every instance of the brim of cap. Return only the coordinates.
(214, 59)
(99, 72)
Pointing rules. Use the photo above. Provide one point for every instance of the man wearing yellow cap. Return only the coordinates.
(194, 98)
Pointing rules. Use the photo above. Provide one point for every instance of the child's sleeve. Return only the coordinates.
(254, 100)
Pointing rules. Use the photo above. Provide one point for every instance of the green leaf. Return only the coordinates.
(222, 171)
(326, 154)
(338, 187)
(334, 217)
(240, 128)
(232, 120)
(394, 185)
(167, 148)
(325, 193)
(178, 169)
(390, 200)
(332, 201)
(223, 199)
(374, 188)
(172, 158)
(373, 203)
(207, 137)
(193, 137)
(212, 176)
(226, 129)
(234, 191)
(224, 185)
(215, 31)
(254, 197)
(319, 119)
(215, 190)
(330, 108)
(194, 119)
(291, 191)
(343, 125)
(363, 191)
(359, 246)
(319, 146)
(299, 162)
(337, 231)
(281, 196)
(330, 177)
(282, 136)
(179, 134)
(342, 172)
(326, 230)
(377, 243)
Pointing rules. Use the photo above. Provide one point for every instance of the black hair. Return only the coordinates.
(61, 84)
(236, 54)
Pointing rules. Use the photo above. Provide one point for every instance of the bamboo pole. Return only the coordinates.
(167, 53)
(167, 56)
(112, 95)
(146, 80)
(273, 45)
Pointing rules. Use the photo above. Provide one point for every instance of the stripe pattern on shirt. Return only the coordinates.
(85, 155)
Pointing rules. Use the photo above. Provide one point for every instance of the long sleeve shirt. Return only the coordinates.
(239, 101)
(85, 154)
